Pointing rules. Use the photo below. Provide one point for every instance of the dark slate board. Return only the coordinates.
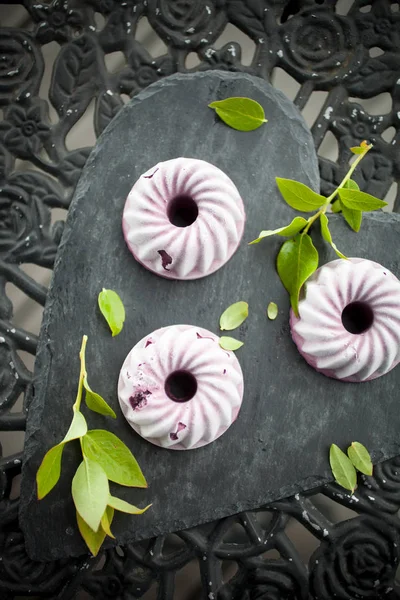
(290, 414)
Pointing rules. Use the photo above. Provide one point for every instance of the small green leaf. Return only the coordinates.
(360, 458)
(336, 206)
(295, 226)
(356, 200)
(229, 343)
(106, 521)
(49, 471)
(93, 539)
(297, 260)
(112, 309)
(90, 492)
(326, 234)
(96, 403)
(243, 114)
(299, 196)
(352, 217)
(234, 316)
(77, 429)
(272, 311)
(351, 185)
(125, 507)
(357, 150)
(342, 468)
(114, 457)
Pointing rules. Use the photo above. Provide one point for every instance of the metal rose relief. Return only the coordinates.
(353, 57)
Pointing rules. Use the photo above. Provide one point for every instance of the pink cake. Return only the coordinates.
(179, 389)
(349, 325)
(183, 219)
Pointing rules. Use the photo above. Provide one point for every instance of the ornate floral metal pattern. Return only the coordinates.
(322, 50)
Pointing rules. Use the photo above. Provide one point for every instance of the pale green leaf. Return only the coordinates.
(357, 150)
(326, 234)
(96, 403)
(106, 521)
(93, 539)
(356, 200)
(336, 206)
(125, 507)
(234, 316)
(243, 114)
(299, 196)
(351, 185)
(114, 457)
(360, 458)
(352, 217)
(49, 471)
(342, 468)
(229, 343)
(294, 227)
(272, 311)
(297, 260)
(112, 309)
(78, 427)
(90, 492)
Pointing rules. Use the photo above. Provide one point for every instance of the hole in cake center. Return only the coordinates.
(182, 211)
(357, 317)
(180, 386)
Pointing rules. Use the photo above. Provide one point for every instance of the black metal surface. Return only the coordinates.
(322, 50)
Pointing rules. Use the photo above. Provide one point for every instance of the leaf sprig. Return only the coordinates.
(105, 458)
(344, 468)
(298, 258)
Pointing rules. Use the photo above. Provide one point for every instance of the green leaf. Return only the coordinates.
(351, 185)
(357, 200)
(295, 226)
(352, 217)
(336, 206)
(299, 196)
(125, 507)
(49, 471)
(272, 311)
(357, 150)
(90, 492)
(96, 403)
(297, 260)
(360, 458)
(106, 521)
(112, 309)
(342, 469)
(243, 114)
(93, 539)
(77, 429)
(326, 234)
(234, 316)
(114, 457)
(229, 343)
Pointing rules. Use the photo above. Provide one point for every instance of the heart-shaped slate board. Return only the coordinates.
(290, 414)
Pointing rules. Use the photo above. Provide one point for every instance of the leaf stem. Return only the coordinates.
(82, 374)
(349, 174)
(345, 179)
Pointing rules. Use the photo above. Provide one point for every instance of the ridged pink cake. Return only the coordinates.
(179, 389)
(349, 325)
(183, 219)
